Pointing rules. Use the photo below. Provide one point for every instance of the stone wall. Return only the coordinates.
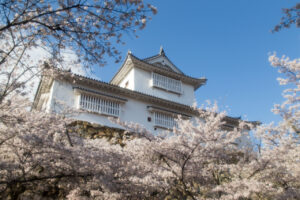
(93, 131)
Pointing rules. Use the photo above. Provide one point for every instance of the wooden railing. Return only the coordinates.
(166, 83)
(99, 105)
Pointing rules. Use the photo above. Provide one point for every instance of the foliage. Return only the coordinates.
(42, 158)
(86, 26)
(203, 161)
(292, 16)
(290, 109)
(56, 30)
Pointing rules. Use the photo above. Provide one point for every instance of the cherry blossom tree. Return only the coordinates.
(290, 109)
(42, 157)
(202, 160)
(85, 26)
(291, 16)
(193, 160)
(87, 29)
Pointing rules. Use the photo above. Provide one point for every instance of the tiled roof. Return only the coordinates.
(197, 81)
(158, 64)
(100, 93)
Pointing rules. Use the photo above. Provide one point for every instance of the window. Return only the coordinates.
(99, 105)
(166, 83)
(164, 120)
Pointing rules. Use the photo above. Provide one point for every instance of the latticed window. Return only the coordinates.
(166, 83)
(164, 120)
(99, 105)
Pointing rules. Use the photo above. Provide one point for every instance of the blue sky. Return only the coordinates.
(226, 41)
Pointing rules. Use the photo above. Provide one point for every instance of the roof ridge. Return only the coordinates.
(147, 58)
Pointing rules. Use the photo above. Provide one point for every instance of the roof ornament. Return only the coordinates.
(161, 51)
(129, 52)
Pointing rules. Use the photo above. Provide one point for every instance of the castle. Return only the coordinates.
(151, 92)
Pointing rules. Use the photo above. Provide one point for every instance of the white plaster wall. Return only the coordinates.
(188, 94)
(136, 112)
(97, 119)
(62, 96)
(142, 81)
(245, 140)
(44, 100)
(131, 111)
(130, 78)
(50, 99)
